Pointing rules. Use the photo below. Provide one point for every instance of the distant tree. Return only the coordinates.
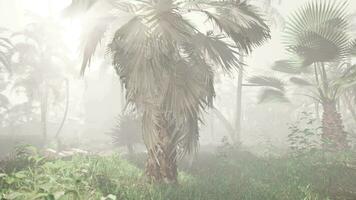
(318, 38)
(39, 59)
(5, 69)
(166, 65)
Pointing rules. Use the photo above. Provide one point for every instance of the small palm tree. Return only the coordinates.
(319, 41)
(127, 132)
(165, 63)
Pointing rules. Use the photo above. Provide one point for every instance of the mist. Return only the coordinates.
(177, 99)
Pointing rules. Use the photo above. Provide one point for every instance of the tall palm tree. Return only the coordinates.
(166, 63)
(318, 39)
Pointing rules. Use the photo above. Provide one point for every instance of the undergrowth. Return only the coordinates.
(232, 175)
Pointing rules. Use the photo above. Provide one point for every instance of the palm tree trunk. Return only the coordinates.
(161, 165)
(238, 113)
(333, 134)
(64, 116)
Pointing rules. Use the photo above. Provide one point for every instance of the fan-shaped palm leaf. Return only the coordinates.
(318, 32)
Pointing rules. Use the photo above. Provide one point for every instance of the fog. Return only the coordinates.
(188, 93)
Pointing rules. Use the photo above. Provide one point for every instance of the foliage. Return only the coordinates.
(305, 134)
(238, 175)
(6, 47)
(319, 41)
(127, 131)
(74, 178)
(273, 89)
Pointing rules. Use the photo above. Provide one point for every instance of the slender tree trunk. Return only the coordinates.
(130, 149)
(238, 113)
(161, 165)
(334, 136)
(64, 116)
(225, 123)
(212, 128)
(44, 109)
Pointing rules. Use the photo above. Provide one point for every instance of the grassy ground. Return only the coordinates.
(229, 175)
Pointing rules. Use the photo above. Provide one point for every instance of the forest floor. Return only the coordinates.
(226, 175)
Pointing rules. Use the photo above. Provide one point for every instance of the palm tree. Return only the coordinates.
(127, 132)
(166, 63)
(317, 36)
(38, 66)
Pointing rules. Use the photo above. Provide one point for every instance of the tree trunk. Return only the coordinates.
(44, 109)
(238, 113)
(334, 136)
(161, 165)
(225, 123)
(130, 149)
(212, 128)
(64, 116)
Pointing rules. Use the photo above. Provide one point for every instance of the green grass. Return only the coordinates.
(235, 175)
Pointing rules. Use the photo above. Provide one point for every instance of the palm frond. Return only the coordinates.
(289, 67)
(217, 50)
(268, 95)
(318, 32)
(93, 39)
(239, 20)
(267, 82)
(127, 130)
(300, 81)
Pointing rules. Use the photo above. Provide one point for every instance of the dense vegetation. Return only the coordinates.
(169, 135)
(225, 174)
